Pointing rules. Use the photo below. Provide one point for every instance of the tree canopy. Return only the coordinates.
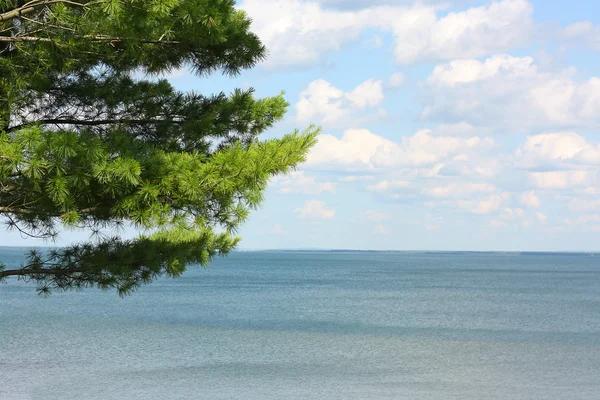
(88, 139)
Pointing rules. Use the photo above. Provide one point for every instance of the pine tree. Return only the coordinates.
(86, 143)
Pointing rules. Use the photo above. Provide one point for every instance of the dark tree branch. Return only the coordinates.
(66, 121)
(92, 39)
(30, 211)
(40, 271)
(44, 235)
(32, 6)
(16, 39)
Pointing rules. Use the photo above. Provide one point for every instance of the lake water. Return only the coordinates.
(270, 325)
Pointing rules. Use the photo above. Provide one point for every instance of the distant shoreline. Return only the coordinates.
(564, 253)
(433, 252)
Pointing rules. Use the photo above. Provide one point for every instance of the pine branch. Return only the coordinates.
(86, 143)
(124, 265)
(34, 211)
(92, 39)
(59, 121)
(26, 271)
(32, 6)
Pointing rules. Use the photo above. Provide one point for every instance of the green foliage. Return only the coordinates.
(83, 144)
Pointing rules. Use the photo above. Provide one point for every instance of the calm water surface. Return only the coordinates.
(315, 326)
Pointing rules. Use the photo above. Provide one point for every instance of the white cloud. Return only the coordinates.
(510, 214)
(301, 32)
(375, 216)
(459, 190)
(353, 150)
(315, 209)
(357, 178)
(299, 182)
(396, 80)
(583, 33)
(541, 217)
(562, 179)
(279, 230)
(358, 4)
(486, 206)
(584, 205)
(579, 29)
(441, 167)
(557, 149)
(498, 224)
(529, 199)
(321, 100)
(583, 219)
(481, 206)
(325, 104)
(423, 148)
(480, 165)
(367, 94)
(460, 72)
(583, 223)
(475, 32)
(384, 186)
(510, 92)
(468, 174)
(457, 129)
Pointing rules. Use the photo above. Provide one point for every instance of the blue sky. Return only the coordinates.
(448, 125)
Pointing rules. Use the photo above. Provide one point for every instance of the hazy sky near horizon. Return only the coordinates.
(451, 125)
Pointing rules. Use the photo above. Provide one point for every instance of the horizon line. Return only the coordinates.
(317, 249)
(415, 251)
